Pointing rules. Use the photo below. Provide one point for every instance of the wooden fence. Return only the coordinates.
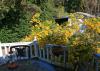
(53, 54)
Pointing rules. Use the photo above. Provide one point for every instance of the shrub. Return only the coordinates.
(49, 32)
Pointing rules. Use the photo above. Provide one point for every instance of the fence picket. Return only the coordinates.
(40, 54)
(47, 54)
(43, 53)
(31, 54)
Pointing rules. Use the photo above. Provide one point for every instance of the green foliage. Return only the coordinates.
(80, 50)
(7, 35)
(48, 10)
(14, 25)
(73, 5)
(3, 8)
(59, 2)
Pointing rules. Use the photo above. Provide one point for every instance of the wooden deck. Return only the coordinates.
(29, 65)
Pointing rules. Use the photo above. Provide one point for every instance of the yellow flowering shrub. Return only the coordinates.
(49, 32)
(93, 27)
(93, 24)
(83, 45)
(35, 18)
(80, 49)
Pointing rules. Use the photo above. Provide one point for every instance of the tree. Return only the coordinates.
(91, 6)
(88, 5)
(14, 23)
(73, 5)
(48, 10)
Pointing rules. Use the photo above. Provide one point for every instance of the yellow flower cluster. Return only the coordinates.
(93, 24)
(35, 18)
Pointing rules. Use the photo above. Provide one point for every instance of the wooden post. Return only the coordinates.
(97, 66)
(36, 47)
(15, 53)
(1, 54)
(65, 58)
(26, 50)
(47, 53)
(44, 53)
(40, 55)
(31, 55)
(6, 51)
(51, 54)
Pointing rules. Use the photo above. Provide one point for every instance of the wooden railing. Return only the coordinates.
(47, 53)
